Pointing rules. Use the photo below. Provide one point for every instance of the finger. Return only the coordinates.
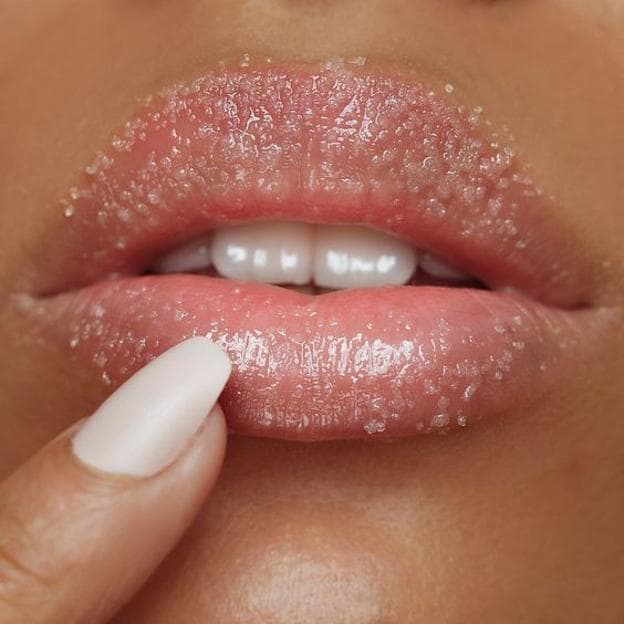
(85, 521)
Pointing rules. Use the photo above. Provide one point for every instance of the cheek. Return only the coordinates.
(41, 393)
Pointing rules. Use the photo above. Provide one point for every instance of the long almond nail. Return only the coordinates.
(149, 421)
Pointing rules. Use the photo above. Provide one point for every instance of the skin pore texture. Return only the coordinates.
(514, 520)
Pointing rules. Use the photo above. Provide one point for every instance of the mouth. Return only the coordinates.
(373, 258)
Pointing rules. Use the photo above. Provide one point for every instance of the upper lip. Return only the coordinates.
(339, 144)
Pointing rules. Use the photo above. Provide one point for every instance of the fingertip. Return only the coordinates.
(146, 424)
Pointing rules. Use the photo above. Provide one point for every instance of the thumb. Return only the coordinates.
(88, 518)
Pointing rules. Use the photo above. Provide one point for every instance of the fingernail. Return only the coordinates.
(150, 420)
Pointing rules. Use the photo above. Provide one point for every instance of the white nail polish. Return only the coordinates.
(150, 420)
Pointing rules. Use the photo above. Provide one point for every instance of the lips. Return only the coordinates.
(331, 145)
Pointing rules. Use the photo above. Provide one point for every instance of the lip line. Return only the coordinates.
(140, 250)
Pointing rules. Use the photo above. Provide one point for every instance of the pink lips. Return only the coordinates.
(396, 360)
(337, 145)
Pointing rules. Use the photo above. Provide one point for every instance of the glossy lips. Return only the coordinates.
(399, 360)
(337, 145)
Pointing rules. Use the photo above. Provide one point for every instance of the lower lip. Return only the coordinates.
(393, 361)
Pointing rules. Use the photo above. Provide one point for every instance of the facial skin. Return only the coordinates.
(513, 520)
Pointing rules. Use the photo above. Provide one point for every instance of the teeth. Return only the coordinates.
(332, 256)
(439, 269)
(194, 256)
(301, 254)
(280, 253)
(352, 257)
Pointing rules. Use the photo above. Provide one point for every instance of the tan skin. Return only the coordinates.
(518, 520)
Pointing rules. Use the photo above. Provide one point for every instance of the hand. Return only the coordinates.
(86, 521)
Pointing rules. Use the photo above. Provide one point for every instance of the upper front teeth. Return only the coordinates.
(330, 256)
(350, 257)
(279, 253)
